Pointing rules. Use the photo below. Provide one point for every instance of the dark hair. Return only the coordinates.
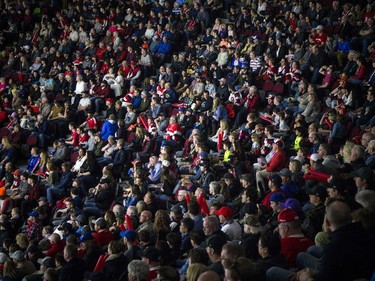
(252, 194)
(198, 256)
(194, 208)
(188, 223)
(174, 239)
(74, 191)
(168, 273)
(197, 236)
(270, 129)
(271, 241)
(144, 236)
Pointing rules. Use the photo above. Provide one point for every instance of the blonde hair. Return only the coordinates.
(295, 166)
(194, 270)
(22, 240)
(255, 137)
(346, 150)
(215, 103)
(6, 142)
(224, 125)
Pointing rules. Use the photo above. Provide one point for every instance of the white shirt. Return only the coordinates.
(232, 229)
(80, 87)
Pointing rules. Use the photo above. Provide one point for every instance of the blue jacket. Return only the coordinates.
(344, 46)
(34, 160)
(109, 128)
(65, 181)
(136, 101)
(170, 96)
(163, 48)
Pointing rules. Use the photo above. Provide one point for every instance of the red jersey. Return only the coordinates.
(75, 138)
(292, 246)
(92, 123)
(83, 138)
(173, 130)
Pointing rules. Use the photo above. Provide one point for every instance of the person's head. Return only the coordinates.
(323, 150)
(194, 270)
(269, 245)
(274, 181)
(238, 270)
(210, 225)
(162, 220)
(246, 180)
(366, 139)
(275, 201)
(10, 269)
(317, 194)
(70, 252)
(363, 178)
(65, 167)
(338, 214)
(231, 252)
(370, 93)
(50, 275)
(168, 273)
(138, 271)
(357, 153)
(115, 247)
(149, 197)
(209, 275)
(214, 246)
(225, 214)
(181, 195)
(366, 198)
(145, 216)
(289, 223)
(187, 225)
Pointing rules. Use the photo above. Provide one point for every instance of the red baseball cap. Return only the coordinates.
(287, 215)
(225, 211)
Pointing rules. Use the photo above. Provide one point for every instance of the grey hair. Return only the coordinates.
(215, 186)
(366, 198)
(139, 269)
(213, 221)
(360, 151)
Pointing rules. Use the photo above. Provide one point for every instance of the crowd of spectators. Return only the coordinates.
(187, 140)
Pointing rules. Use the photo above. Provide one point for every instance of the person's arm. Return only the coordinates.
(156, 175)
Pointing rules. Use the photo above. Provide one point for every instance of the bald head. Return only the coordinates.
(209, 276)
(338, 214)
(147, 214)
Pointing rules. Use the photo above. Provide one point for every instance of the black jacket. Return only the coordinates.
(73, 270)
(262, 265)
(115, 266)
(349, 254)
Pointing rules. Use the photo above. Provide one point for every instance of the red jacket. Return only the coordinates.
(56, 248)
(277, 162)
(103, 238)
(251, 102)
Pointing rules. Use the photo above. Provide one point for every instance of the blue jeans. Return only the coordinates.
(279, 274)
(51, 191)
(41, 139)
(92, 211)
(305, 260)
